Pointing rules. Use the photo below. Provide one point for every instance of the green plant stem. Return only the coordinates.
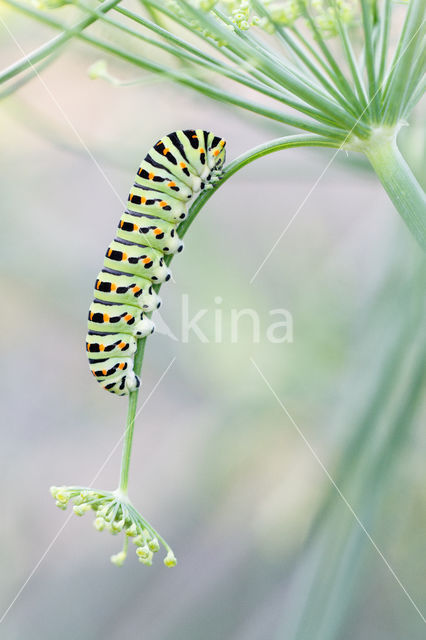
(414, 83)
(287, 38)
(403, 59)
(343, 101)
(130, 425)
(189, 81)
(257, 152)
(52, 45)
(400, 184)
(297, 85)
(384, 40)
(28, 75)
(350, 57)
(373, 92)
(211, 64)
(337, 74)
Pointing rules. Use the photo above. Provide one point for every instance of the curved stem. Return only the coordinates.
(400, 184)
(257, 152)
(212, 64)
(55, 43)
(189, 80)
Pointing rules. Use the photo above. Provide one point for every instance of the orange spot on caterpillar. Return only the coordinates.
(146, 260)
(127, 317)
(194, 136)
(113, 286)
(157, 231)
(163, 203)
(109, 252)
(202, 150)
(98, 284)
(87, 346)
(91, 315)
(182, 165)
(150, 176)
(165, 151)
(104, 372)
(105, 317)
(121, 365)
(124, 256)
(216, 153)
(143, 200)
(101, 347)
(94, 373)
(121, 345)
(130, 196)
(136, 289)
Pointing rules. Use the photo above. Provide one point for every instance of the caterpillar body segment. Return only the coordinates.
(126, 289)
(162, 180)
(154, 232)
(156, 203)
(137, 259)
(100, 346)
(120, 318)
(175, 170)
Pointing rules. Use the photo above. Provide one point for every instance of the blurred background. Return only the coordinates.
(266, 547)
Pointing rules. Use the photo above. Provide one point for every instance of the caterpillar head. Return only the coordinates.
(216, 154)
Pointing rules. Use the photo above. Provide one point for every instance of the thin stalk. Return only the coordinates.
(373, 93)
(188, 81)
(299, 88)
(279, 144)
(52, 45)
(130, 425)
(337, 94)
(417, 93)
(214, 92)
(232, 53)
(413, 82)
(384, 40)
(284, 34)
(403, 60)
(212, 64)
(337, 75)
(399, 183)
(152, 13)
(350, 57)
(28, 75)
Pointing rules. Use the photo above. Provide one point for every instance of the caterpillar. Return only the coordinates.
(174, 171)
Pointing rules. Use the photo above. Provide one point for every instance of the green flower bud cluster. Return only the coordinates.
(327, 14)
(115, 513)
(204, 5)
(284, 13)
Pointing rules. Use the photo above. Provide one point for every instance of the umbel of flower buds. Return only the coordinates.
(115, 513)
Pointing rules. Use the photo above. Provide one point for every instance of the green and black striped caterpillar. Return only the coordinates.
(173, 172)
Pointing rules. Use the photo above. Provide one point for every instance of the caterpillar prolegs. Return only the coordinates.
(175, 170)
